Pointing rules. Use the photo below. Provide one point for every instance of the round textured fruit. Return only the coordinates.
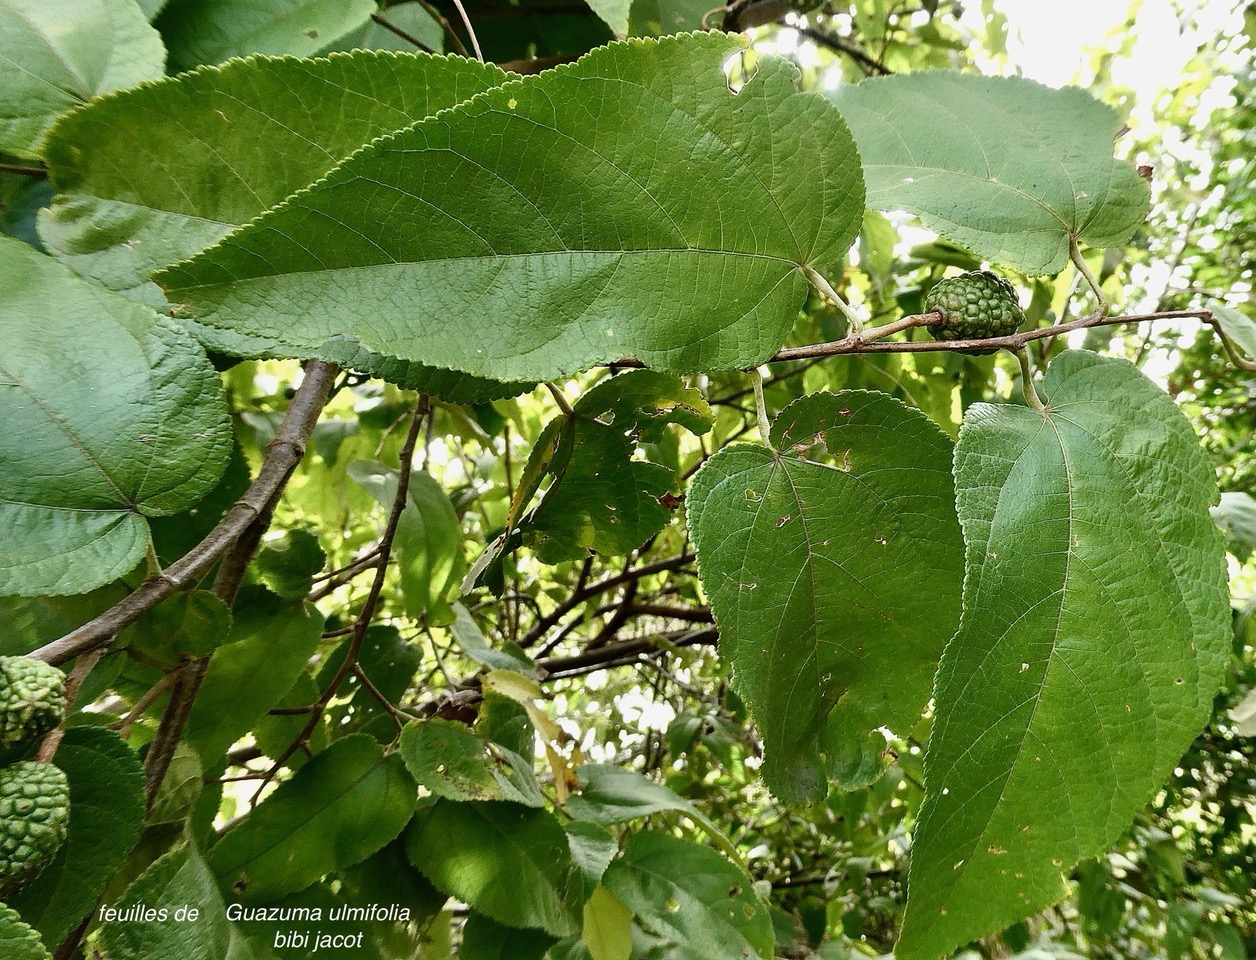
(32, 699)
(34, 813)
(974, 306)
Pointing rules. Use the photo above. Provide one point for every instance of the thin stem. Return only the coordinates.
(445, 25)
(367, 613)
(82, 667)
(817, 281)
(560, 399)
(282, 456)
(1028, 386)
(1101, 302)
(760, 405)
(408, 38)
(466, 22)
(23, 171)
(1231, 350)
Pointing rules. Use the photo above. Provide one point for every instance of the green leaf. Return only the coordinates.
(54, 56)
(452, 762)
(466, 633)
(1003, 165)
(428, 540)
(194, 622)
(180, 789)
(689, 902)
(485, 939)
(17, 940)
(106, 812)
(603, 498)
(611, 794)
(574, 246)
(180, 879)
(655, 18)
(389, 662)
(833, 562)
(1236, 516)
(338, 809)
(1096, 631)
(270, 644)
(211, 31)
(614, 13)
(592, 850)
(506, 861)
(99, 431)
(1238, 328)
(122, 211)
(289, 563)
(607, 930)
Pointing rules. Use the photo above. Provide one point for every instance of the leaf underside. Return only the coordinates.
(101, 428)
(122, 211)
(595, 236)
(833, 564)
(1005, 166)
(1095, 633)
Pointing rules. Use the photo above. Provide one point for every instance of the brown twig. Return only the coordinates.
(396, 30)
(282, 456)
(367, 613)
(73, 681)
(23, 171)
(582, 594)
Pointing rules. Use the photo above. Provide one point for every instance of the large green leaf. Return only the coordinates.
(507, 861)
(1002, 165)
(337, 810)
(833, 561)
(1095, 633)
(18, 940)
(603, 497)
(210, 31)
(180, 879)
(673, 224)
(122, 211)
(54, 56)
(111, 413)
(270, 644)
(106, 811)
(689, 902)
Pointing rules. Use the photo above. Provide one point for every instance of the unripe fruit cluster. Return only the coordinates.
(34, 796)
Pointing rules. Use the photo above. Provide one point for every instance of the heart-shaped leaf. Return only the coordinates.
(1095, 633)
(595, 235)
(833, 563)
(1003, 165)
(111, 413)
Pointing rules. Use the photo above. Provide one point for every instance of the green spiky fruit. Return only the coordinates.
(974, 306)
(32, 699)
(34, 814)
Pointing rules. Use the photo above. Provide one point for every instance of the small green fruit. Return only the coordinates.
(974, 306)
(34, 815)
(32, 699)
